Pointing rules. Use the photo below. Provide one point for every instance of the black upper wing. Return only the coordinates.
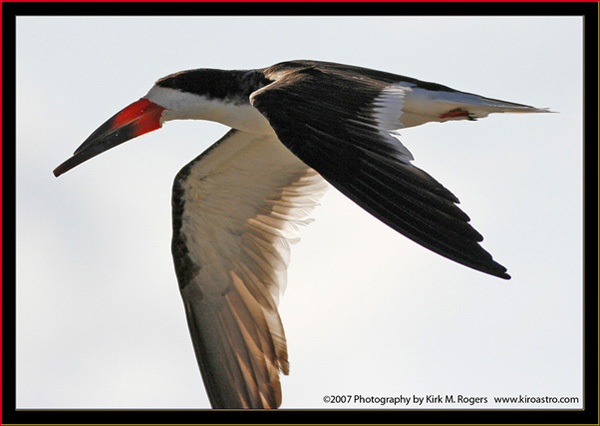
(325, 115)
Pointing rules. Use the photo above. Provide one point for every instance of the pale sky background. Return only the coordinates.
(366, 312)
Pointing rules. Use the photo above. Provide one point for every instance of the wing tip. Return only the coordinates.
(495, 269)
(504, 276)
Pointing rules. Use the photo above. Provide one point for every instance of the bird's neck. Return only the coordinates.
(207, 95)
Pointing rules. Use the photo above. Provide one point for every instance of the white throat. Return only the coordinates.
(188, 106)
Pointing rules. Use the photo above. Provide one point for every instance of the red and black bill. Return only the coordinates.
(140, 117)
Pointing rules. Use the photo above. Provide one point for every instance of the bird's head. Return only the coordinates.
(204, 94)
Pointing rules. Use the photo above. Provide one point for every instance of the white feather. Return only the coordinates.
(189, 106)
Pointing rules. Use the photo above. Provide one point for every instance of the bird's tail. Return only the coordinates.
(423, 105)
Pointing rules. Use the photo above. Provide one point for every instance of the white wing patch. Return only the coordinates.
(388, 112)
(245, 208)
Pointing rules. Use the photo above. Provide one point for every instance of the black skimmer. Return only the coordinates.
(295, 126)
